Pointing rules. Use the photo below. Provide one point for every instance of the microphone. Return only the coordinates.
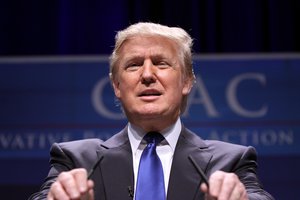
(91, 172)
(199, 170)
(130, 191)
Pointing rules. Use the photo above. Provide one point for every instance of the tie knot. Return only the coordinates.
(153, 137)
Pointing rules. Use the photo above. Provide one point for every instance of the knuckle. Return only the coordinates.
(54, 186)
(217, 175)
(232, 175)
(242, 187)
(63, 176)
(79, 171)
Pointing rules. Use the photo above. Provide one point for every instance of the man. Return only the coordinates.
(151, 73)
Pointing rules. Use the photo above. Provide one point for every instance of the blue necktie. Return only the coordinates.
(150, 181)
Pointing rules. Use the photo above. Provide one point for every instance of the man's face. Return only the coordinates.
(149, 81)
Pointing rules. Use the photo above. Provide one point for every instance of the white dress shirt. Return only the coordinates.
(165, 150)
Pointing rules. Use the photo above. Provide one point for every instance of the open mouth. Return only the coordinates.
(150, 93)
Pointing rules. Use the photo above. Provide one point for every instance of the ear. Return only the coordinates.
(116, 86)
(188, 84)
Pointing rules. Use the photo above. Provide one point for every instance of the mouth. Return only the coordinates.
(149, 93)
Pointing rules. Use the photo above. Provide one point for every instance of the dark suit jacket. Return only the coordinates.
(114, 174)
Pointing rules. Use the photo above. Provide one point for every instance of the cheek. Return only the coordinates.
(126, 87)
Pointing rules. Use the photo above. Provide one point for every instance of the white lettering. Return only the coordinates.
(30, 140)
(200, 90)
(285, 137)
(268, 137)
(231, 95)
(27, 141)
(17, 142)
(5, 140)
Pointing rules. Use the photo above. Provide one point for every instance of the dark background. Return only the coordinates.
(63, 27)
(74, 27)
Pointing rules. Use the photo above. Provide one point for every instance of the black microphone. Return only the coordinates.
(130, 191)
(199, 170)
(90, 174)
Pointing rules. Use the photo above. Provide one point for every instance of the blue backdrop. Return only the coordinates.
(245, 99)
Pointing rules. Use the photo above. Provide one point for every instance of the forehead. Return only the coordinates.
(148, 45)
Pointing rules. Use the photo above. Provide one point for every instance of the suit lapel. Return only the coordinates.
(116, 168)
(184, 179)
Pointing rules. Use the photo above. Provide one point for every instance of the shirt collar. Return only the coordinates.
(171, 135)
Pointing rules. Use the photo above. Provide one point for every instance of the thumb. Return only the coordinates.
(204, 188)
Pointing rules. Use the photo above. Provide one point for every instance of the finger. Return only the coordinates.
(239, 192)
(80, 176)
(68, 182)
(90, 184)
(215, 182)
(85, 196)
(236, 194)
(229, 185)
(91, 194)
(57, 192)
(204, 188)
(50, 196)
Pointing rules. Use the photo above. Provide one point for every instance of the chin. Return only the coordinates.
(149, 113)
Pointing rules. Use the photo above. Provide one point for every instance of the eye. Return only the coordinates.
(133, 66)
(162, 64)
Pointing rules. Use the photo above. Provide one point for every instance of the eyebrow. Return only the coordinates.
(152, 57)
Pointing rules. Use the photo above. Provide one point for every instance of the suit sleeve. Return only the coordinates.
(59, 162)
(246, 169)
(67, 156)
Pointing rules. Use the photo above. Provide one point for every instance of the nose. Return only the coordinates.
(148, 73)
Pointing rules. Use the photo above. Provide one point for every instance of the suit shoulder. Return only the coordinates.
(225, 145)
(214, 145)
(229, 149)
(80, 143)
(196, 140)
(76, 146)
(78, 153)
